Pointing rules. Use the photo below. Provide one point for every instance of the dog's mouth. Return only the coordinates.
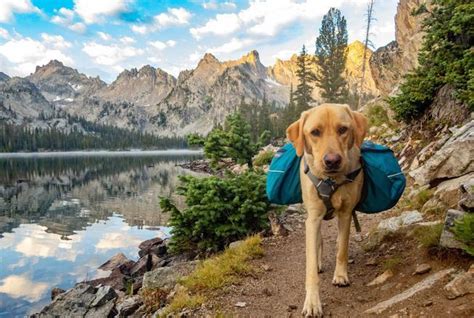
(332, 172)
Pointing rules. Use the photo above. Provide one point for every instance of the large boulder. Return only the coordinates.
(450, 192)
(447, 238)
(165, 278)
(83, 300)
(454, 159)
(115, 261)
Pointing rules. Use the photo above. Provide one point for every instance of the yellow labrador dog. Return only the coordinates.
(329, 138)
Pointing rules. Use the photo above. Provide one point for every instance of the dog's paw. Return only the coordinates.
(341, 281)
(312, 306)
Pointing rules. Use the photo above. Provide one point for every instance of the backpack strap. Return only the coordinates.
(325, 188)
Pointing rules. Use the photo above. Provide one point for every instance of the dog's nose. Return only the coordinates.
(332, 161)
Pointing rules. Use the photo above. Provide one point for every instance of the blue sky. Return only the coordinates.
(103, 37)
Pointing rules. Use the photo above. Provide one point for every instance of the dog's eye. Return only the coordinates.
(315, 132)
(342, 130)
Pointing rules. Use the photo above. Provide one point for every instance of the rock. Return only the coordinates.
(146, 246)
(114, 262)
(424, 284)
(427, 303)
(447, 238)
(381, 278)
(461, 285)
(106, 310)
(266, 292)
(294, 208)
(394, 223)
(433, 206)
(56, 291)
(103, 295)
(128, 305)
(276, 225)
(454, 159)
(241, 304)
(292, 307)
(371, 262)
(83, 300)
(266, 267)
(144, 264)
(116, 279)
(163, 277)
(449, 192)
(422, 269)
(467, 196)
(166, 277)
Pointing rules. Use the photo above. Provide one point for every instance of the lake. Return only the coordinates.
(64, 214)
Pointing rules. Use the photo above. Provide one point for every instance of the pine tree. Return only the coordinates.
(306, 77)
(331, 45)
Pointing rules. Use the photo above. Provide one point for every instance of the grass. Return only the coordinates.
(215, 273)
(226, 268)
(392, 262)
(416, 202)
(264, 158)
(377, 116)
(182, 300)
(428, 236)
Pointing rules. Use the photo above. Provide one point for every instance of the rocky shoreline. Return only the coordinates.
(120, 294)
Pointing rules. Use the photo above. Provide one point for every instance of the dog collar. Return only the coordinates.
(325, 188)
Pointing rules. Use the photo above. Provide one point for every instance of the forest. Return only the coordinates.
(15, 138)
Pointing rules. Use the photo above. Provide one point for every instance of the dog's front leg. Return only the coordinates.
(344, 225)
(312, 304)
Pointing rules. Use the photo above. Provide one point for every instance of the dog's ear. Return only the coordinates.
(295, 134)
(360, 128)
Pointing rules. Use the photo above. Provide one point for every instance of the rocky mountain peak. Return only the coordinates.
(252, 57)
(4, 77)
(208, 58)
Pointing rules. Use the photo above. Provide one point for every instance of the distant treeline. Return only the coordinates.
(20, 138)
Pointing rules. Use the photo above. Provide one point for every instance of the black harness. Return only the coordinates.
(325, 188)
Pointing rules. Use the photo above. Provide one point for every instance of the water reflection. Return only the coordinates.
(60, 218)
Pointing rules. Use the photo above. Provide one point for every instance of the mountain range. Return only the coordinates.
(151, 100)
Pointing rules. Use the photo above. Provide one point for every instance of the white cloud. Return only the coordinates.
(127, 40)
(154, 59)
(65, 17)
(174, 17)
(233, 45)
(4, 34)
(171, 43)
(94, 11)
(159, 45)
(265, 18)
(104, 36)
(214, 5)
(56, 41)
(78, 27)
(20, 286)
(222, 24)
(9, 7)
(141, 29)
(284, 54)
(110, 55)
(24, 54)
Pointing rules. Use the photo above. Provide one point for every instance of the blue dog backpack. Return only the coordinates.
(384, 181)
(283, 177)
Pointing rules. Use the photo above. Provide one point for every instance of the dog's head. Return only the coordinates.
(328, 132)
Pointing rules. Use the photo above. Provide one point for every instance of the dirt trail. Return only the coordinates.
(279, 291)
